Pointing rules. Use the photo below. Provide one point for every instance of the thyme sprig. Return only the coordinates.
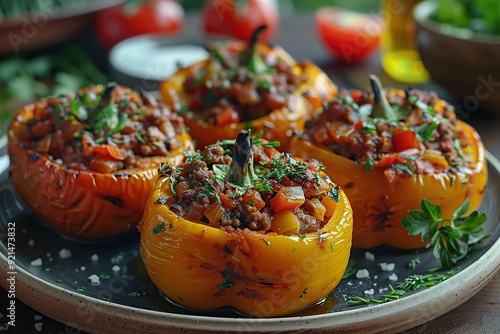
(411, 283)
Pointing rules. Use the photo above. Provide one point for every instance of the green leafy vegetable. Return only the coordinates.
(452, 239)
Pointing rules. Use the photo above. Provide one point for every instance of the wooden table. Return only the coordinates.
(480, 314)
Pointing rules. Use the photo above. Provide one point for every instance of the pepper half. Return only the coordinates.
(246, 86)
(201, 265)
(73, 162)
(387, 161)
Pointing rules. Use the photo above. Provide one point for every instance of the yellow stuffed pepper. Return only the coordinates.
(388, 151)
(246, 86)
(260, 231)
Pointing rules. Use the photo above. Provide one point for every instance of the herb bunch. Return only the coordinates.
(452, 239)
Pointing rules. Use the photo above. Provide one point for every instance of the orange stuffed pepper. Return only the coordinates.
(388, 150)
(260, 231)
(246, 86)
(86, 162)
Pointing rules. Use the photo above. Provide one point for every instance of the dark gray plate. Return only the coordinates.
(127, 296)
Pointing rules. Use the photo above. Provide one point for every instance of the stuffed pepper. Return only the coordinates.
(255, 230)
(388, 151)
(86, 162)
(246, 86)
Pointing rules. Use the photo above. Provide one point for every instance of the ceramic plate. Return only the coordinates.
(52, 276)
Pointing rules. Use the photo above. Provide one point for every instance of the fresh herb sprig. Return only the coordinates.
(411, 283)
(452, 239)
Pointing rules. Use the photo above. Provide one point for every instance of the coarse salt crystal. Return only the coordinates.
(350, 283)
(64, 253)
(37, 263)
(369, 292)
(94, 279)
(362, 273)
(94, 257)
(82, 268)
(369, 256)
(393, 277)
(31, 243)
(37, 317)
(387, 266)
(38, 326)
(115, 268)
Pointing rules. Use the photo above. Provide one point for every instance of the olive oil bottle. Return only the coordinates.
(400, 58)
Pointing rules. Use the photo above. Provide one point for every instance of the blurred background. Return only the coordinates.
(54, 46)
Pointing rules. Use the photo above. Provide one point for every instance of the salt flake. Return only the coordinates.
(387, 266)
(64, 253)
(38, 326)
(369, 256)
(37, 263)
(94, 280)
(362, 273)
(393, 277)
(369, 292)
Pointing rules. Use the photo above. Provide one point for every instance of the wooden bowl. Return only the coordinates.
(461, 61)
(48, 26)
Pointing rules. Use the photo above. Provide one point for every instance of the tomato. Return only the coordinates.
(404, 139)
(228, 17)
(351, 37)
(147, 16)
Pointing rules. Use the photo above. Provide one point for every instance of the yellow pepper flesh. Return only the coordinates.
(259, 274)
(378, 206)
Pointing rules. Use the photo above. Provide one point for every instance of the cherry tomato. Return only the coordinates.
(350, 36)
(148, 16)
(404, 139)
(228, 17)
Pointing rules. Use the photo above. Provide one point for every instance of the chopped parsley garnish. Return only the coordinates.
(226, 284)
(405, 168)
(425, 131)
(160, 227)
(368, 165)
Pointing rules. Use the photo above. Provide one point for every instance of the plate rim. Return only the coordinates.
(429, 303)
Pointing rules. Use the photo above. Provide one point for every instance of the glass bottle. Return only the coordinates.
(400, 57)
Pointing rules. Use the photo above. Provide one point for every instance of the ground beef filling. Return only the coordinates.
(198, 188)
(225, 91)
(343, 129)
(102, 129)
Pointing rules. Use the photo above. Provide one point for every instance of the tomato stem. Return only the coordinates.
(381, 106)
(241, 170)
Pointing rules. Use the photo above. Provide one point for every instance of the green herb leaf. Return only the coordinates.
(226, 284)
(452, 239)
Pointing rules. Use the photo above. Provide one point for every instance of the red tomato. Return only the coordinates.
(350, 36)
(404, 140)
(228, 17)
(149, 16)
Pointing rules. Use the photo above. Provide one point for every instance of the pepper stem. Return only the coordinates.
(241, 171)
(381, 107)
(250, 56)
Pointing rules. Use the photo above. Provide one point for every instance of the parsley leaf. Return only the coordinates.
(452, 239)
